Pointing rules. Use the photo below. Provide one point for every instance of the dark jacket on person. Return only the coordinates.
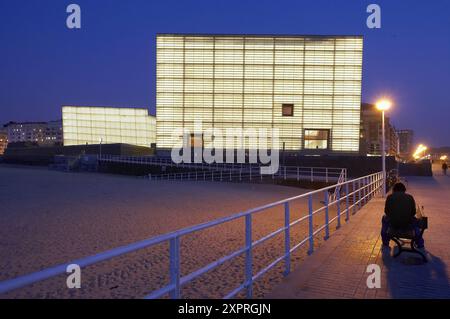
(400, 209)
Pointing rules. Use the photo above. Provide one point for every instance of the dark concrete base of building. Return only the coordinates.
(356, 165)
(416, 169)
(45, 155)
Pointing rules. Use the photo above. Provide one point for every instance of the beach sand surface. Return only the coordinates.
(49, 218)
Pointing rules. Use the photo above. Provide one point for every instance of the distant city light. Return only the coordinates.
(420, 149)
(443, 158)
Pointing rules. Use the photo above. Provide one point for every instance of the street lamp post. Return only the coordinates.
(383, 106)
(383, 157)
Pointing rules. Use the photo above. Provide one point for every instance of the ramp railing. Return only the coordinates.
(313, 174)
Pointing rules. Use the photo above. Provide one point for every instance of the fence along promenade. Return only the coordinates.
(228, 171)
(353, 194)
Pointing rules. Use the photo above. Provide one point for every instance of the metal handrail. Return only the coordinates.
(298, 173)
(214, 166)
(366, 187)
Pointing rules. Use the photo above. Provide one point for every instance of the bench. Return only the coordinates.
(407, 236)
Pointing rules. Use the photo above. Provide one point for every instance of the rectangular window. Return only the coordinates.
(316, 139)
(288, 109)
(196, 140)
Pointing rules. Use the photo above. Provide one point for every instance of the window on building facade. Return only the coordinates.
(316, 139)
(196, 140)
(288, 109)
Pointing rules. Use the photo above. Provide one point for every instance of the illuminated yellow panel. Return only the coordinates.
(92, 125)
(244, 81)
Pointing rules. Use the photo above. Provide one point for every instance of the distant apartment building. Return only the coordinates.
(307, 87)
(41, 133)
(54, 133)
(3, 140)
(108, 125)
(406, 140)
(371, 132)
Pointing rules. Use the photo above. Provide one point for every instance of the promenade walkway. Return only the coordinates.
(338, 268)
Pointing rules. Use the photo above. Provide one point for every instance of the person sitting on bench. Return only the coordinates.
(400, 212)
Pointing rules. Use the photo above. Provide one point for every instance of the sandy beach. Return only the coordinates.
(48, 218)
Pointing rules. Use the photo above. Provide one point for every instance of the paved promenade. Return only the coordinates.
(338, 268)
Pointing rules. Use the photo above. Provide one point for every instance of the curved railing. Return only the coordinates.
(354, 194)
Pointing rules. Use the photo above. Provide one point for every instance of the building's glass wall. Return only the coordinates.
(247, 82)
(90, 125)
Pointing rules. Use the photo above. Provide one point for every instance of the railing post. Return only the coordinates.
(298, 173)
(380, 182)
(327, 224)
(359, 194)
(175, 267)
(310, 226)
(347, 206)
(248, 256)
(354, 197)
(374, 185)
(372, 188)
(287, 240)
(285, 173)
(338, 207)
(363, 191)
(326, 174)
(312, 174)
(367, 189)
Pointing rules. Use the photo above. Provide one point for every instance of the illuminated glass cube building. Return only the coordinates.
(108, 125)
(309, 87)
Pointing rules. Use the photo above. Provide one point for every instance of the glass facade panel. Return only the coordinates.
(244, 81)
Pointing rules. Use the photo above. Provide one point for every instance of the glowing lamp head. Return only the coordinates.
(420, 149)
(383, 105)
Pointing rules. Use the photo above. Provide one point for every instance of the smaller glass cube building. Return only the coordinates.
(108, 125)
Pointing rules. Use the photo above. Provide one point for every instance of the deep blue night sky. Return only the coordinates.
(111, 60)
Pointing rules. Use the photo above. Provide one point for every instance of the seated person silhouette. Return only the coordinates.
(400, 212)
